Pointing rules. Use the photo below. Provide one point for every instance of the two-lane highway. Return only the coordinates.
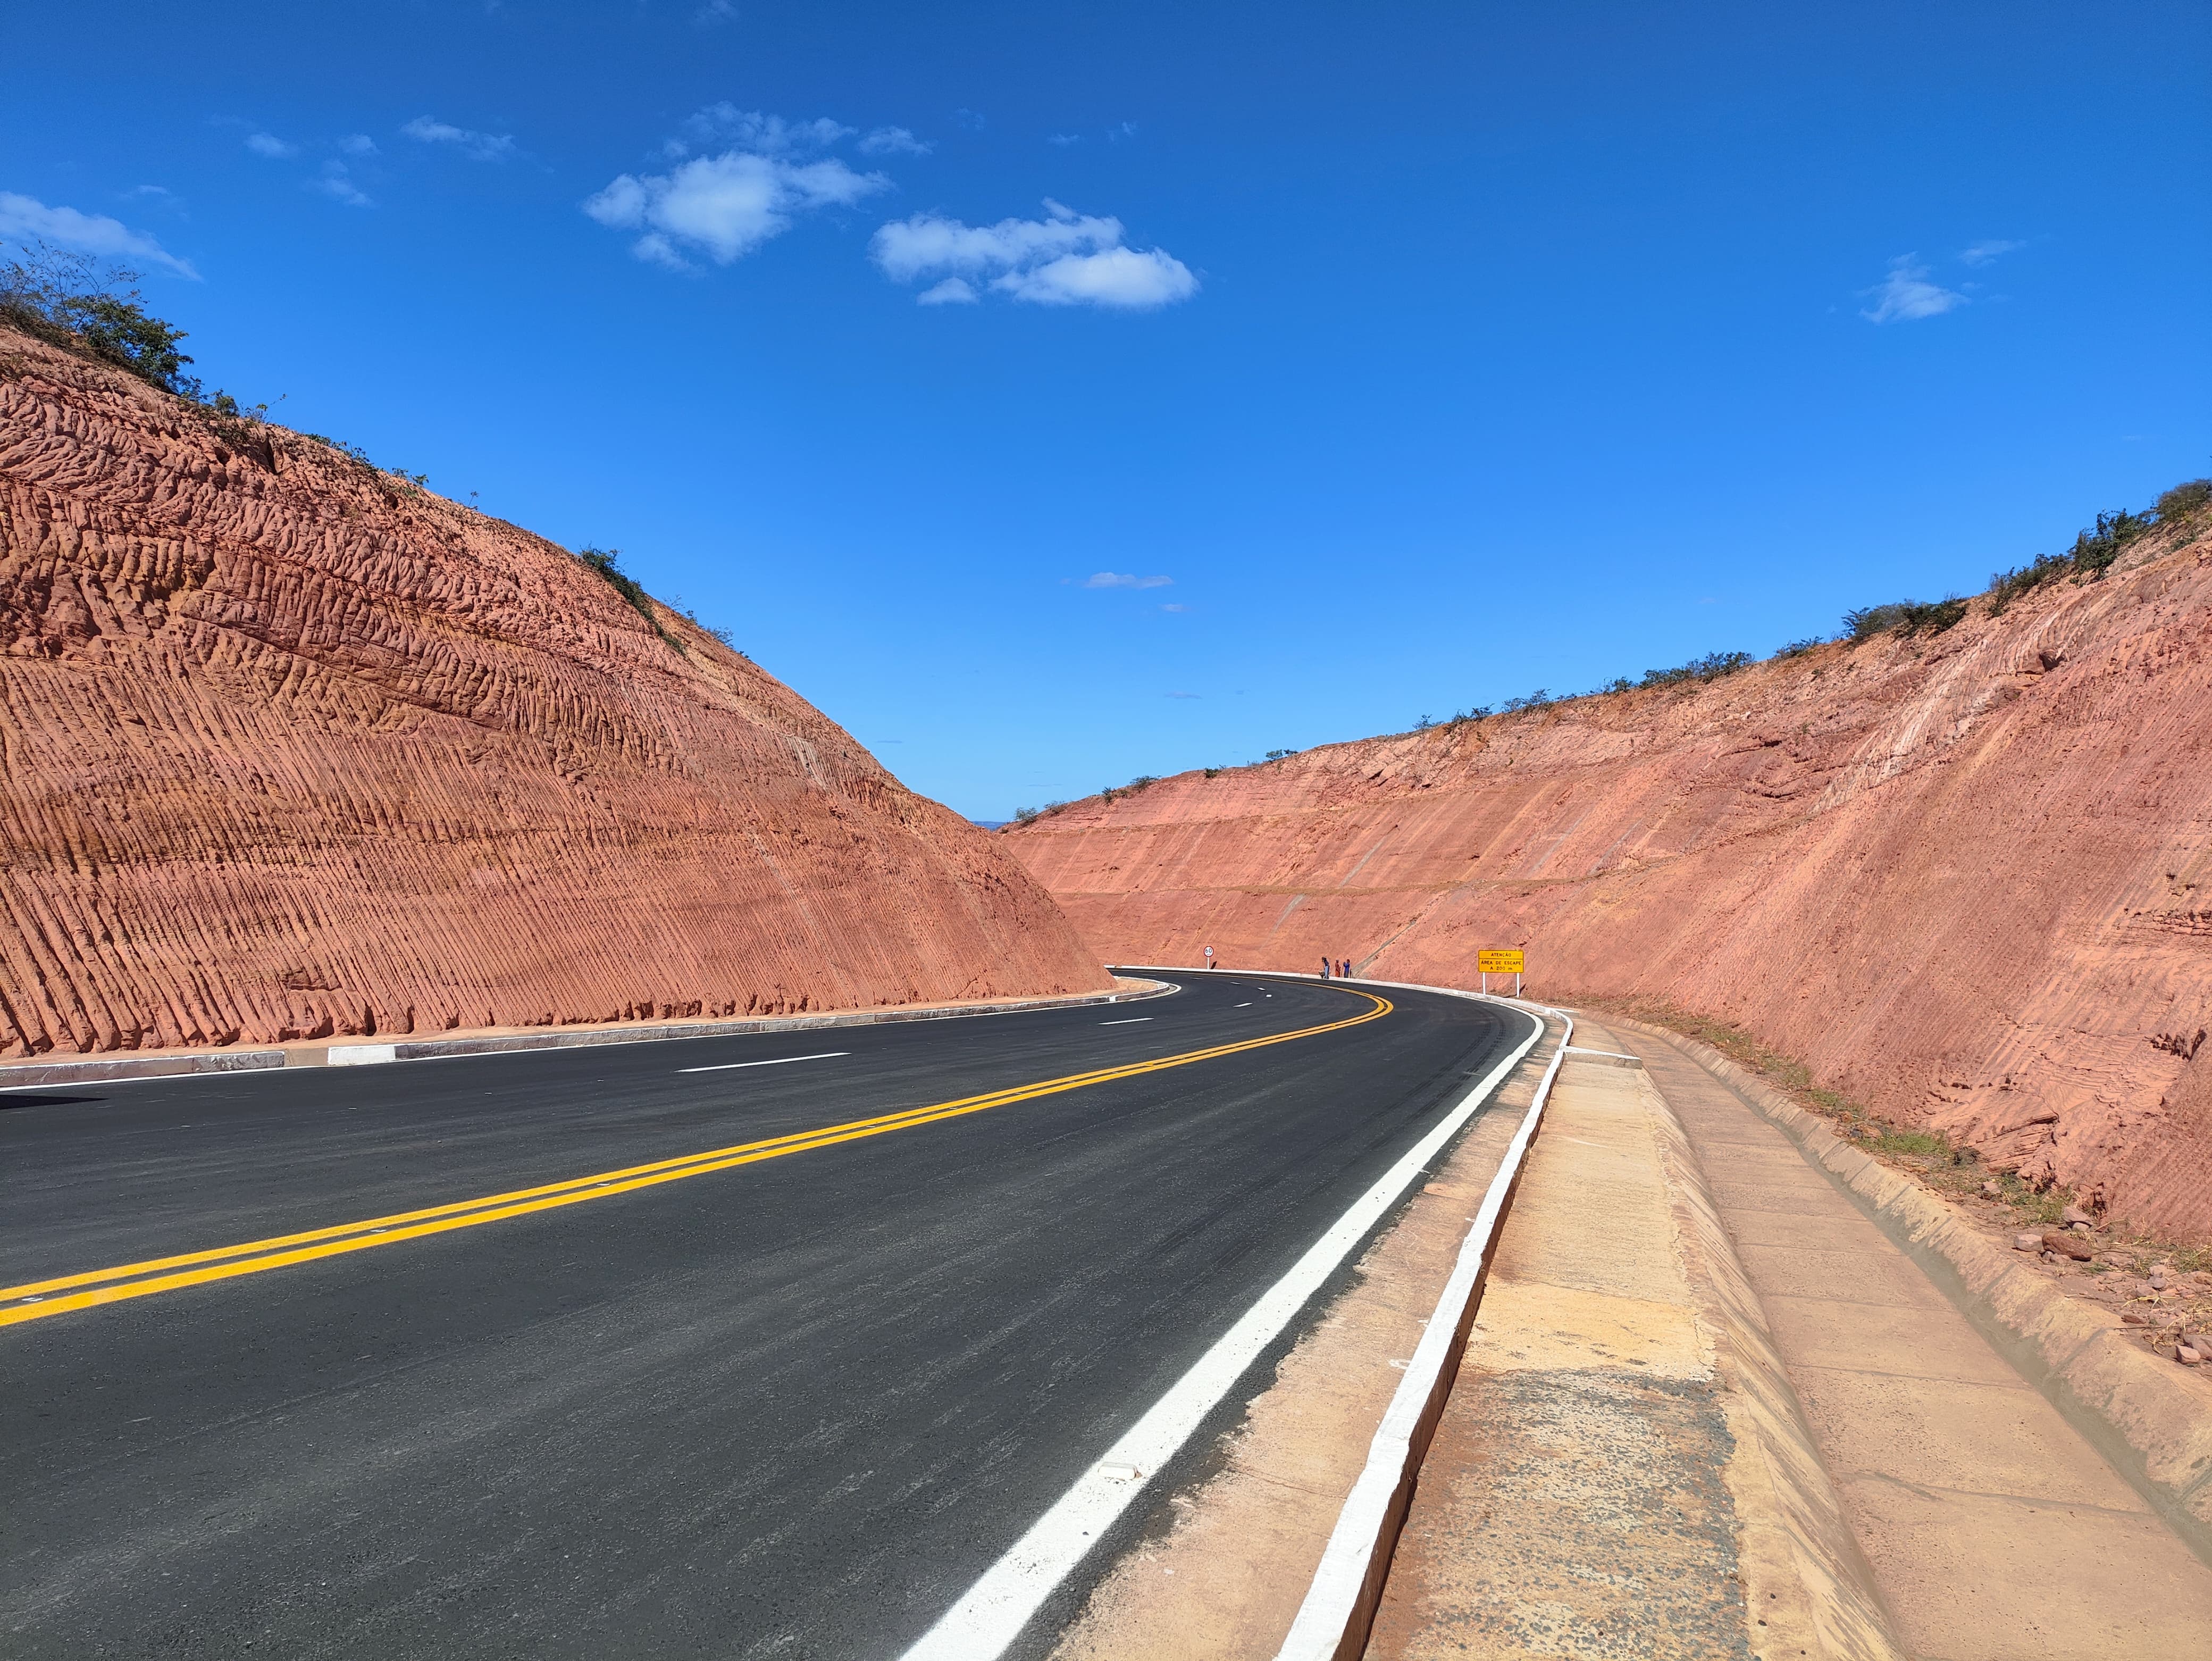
(755, 1346)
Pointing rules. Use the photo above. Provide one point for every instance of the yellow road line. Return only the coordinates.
(107, 1285)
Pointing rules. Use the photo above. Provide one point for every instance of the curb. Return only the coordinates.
(2151, 1420)
(1338, 1614)
(427, 1049)
(413, 1050)
(145, 1066)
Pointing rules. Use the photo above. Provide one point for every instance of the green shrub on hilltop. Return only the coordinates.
(69, 299)
(1903, 617)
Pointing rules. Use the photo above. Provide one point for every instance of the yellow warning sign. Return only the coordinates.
(1499, 963)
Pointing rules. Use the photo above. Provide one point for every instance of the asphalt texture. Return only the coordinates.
(793, 1408)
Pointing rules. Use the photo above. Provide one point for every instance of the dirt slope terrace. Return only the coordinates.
(293, 748)
(1966, 876)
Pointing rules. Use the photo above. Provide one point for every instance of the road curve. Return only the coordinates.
(750, 1381)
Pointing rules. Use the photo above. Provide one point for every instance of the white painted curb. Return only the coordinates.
(1334, 1622)
(991, 1614)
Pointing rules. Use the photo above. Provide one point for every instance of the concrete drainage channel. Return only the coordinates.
(34, 1074)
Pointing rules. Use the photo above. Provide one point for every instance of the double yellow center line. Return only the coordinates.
(38, 1299)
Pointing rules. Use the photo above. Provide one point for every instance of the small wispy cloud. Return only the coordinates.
(148, 189)
(1063, 139)
(953, 291)
(1124, 579)
(723, 125)
(268, 144)
(971, 120)
(1908, 293)
(1982, 253)
(894, 141)
(476, 146)
(714, 11)
(1175, 608)
(1066, 258)
(335, 182)
(1123, 130)
(1184, 695)
(28, 219)
(358, 143)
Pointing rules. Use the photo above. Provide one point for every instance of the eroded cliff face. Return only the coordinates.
(1967, 877)
(291, 749)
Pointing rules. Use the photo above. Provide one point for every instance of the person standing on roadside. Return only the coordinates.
(1324, 968)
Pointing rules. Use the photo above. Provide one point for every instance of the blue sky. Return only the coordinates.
(1056, 393)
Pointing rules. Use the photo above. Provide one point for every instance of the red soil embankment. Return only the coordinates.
(1966, 876)
(292, 749)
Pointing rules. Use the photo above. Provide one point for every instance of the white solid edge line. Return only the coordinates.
(1340, 1580)
(724, 1066)
(991, 1612)
(1125, 1020)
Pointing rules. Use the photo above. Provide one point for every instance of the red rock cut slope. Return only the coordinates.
(292, 749)
(1965, 877)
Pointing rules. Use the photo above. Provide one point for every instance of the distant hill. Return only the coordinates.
(1962, 869)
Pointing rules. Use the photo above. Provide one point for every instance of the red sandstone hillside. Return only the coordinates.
(294, 749)
(1967, 877)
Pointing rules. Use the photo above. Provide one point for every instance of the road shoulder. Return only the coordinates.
(1220, 1575)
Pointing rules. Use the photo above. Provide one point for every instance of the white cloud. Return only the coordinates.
(1119, 580)
(1982, 253)
(476, 146)
(1063, 139)
(1175, 608)
(953, 291)
(358, 143)
(714, 11)
(336, 183)
(727, 205)
(894, 141)
(268, 144)
(1907, 294)
(725, 124)
(26, 217)
(1184, 695)
(1066, 258)
(149, 190)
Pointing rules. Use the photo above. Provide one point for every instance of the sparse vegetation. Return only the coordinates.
(1025, 815)
(1798, 648)
(72, 301)
(605, 562)
(1935, 1158)
(2098, 547)
(1903, 617)
(1541, 698)
(1710, 667)
(1278, 755)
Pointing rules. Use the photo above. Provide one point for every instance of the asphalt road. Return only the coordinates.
(790, 1408)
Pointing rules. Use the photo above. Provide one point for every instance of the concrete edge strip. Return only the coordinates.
(33, 1075)
(2147, 1418)
(1338, 1610)
(36, 1075)
(992, 1615)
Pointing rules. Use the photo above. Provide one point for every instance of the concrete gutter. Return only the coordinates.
(2149, 1418)
(24, 1075)
(18, 1076)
